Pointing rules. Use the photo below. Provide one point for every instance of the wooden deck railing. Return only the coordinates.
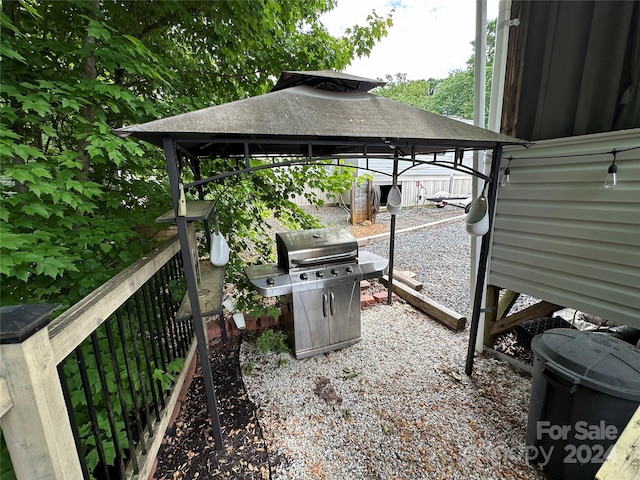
(89, 394)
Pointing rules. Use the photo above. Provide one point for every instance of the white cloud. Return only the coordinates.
(429, 38)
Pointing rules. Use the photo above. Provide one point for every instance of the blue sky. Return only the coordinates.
(429, 38)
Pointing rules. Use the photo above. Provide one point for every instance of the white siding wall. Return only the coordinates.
(561, 237)
(432, 179)
(415, 189)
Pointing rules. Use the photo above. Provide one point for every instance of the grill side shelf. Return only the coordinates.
(372, 265)
(269, 280)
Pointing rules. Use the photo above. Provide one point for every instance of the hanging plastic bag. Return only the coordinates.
(219, 248)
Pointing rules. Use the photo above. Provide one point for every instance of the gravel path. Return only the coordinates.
(397, 405)
(438, 255)
(440, 258)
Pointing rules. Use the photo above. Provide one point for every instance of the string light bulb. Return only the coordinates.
(506, 176)
(611, 181)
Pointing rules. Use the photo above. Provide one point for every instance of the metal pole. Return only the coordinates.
(478, 120)
(392, 233)
(392, 241)
(500, 64)
(187, 259)
(484, 257)
(207, 226)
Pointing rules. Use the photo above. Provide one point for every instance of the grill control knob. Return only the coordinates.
(334, 271)
(349, 269)
(271, 281)
(304, 276)
(319, 274)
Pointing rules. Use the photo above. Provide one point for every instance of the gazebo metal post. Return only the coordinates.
(484, 257)
(392, 234)
(192, 291)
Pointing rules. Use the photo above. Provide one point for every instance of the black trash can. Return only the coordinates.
(586, 387)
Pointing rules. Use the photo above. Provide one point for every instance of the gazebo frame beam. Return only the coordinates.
(310, 159)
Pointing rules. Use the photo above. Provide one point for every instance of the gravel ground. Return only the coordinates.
(336, 216)
(397, 405)
(439, 255)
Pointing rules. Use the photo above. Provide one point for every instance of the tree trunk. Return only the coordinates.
(90, 72)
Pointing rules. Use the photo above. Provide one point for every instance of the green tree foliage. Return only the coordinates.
(418, 93)
(453, 95)
(73, 194)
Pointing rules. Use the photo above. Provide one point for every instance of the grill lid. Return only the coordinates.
(307, 248)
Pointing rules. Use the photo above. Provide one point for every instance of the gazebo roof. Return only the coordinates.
(332, 111)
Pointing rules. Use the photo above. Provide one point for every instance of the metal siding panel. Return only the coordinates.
(561, 237)
(409, 193)
(619, 313)
(589, 268)
(574, 247)
(459, 185)
(625, 234)
(327, 198)
(602, 289)
(563, 192)
(593, 212)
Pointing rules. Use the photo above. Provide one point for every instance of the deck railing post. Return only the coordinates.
(36, 427)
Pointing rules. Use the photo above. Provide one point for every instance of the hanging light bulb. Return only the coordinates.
(506, 176)
(611, 181)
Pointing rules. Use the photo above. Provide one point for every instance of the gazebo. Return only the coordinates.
(309, 117)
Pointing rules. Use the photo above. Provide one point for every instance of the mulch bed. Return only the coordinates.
(188, 449)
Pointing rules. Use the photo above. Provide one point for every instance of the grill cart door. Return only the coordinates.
(325, 319)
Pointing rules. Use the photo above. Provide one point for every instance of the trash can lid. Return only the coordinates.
(596, 360)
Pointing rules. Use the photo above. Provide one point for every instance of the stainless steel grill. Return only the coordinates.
(318, 275)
